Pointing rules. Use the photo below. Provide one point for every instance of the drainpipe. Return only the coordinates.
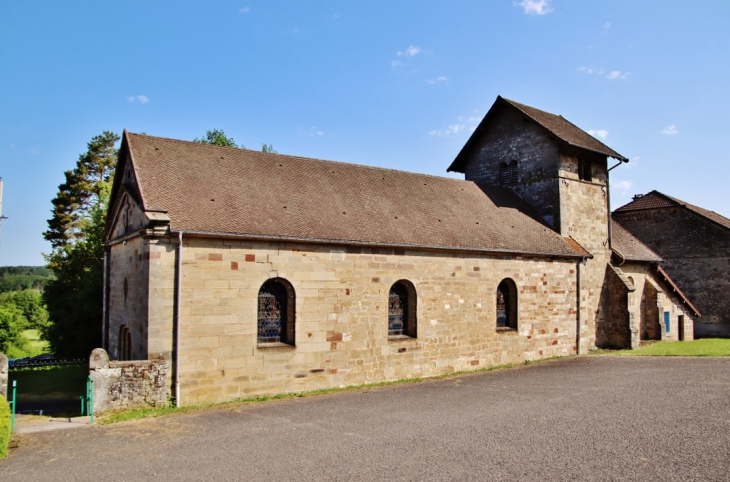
(608, 204)
(577, 305)
(104, 301)
(178, 288)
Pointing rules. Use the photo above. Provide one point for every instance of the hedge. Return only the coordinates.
(4, 427)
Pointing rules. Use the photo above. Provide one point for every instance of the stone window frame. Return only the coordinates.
(585, 170)
(509, 287)
(287, 300)
(125, 343)
(410, 308)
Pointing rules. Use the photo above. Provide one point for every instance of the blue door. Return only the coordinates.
(666, 320)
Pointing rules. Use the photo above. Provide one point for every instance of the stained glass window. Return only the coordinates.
(272, 312)
(507, 304)
(402, 309)
(396, 310)
(502, 307)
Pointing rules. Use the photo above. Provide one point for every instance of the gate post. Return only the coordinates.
(4, 376)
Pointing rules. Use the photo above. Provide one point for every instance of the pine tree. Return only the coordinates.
(76, 230)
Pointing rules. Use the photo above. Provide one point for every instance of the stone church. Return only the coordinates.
(254, 273)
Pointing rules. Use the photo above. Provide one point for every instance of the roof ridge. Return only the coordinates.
(518, 105)
(255, 152)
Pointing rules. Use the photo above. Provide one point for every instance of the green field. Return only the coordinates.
(703, 347)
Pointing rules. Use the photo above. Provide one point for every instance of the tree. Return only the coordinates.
(218, 137)
(11, 325)
(269, 149)
(76, 230)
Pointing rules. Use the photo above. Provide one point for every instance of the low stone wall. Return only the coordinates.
(126, 384)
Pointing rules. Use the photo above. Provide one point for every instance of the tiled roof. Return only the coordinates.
(223, 190)
(676, 289)
(658, 200)
(630, 248)
(557, 125)
(566, 130)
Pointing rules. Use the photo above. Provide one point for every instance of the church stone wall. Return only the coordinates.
(696, 255)
(341, 315)
(128, 295)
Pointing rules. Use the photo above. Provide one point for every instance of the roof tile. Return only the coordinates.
(225, 190)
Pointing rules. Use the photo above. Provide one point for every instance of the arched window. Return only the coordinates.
(125, 343)
(507, 304)
(402, 309)
(276, 312)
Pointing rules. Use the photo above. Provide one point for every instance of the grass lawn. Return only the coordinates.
(35, 344)
(702, 347)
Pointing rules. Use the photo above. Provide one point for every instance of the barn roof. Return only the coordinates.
(556, 125)
(214, 190)
(658, 200)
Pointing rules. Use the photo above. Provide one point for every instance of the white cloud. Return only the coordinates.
(452, 129)
(535, 7)
(623, 185)
(12, 146)
(313, 132)
(411, 51)
(142, 99)
(438, 80)
(600, 133)
(244, 10)
(670, 130)
(462, 123)
(34, 151)
(617, 74)
(606, 26)
(396, 63)
(591, 70)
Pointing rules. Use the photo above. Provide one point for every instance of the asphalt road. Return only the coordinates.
(582, 418)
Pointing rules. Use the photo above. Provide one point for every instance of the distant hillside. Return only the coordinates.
(18, 278)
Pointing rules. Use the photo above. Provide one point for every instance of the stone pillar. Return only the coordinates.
(98, 368)
(4, 376)
(660, 313)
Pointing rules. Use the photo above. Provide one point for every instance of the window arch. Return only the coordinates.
(125, 343)
(402, 309)
(507, 304)
(276, 310)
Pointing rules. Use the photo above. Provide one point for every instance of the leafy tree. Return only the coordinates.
(11, 326)
(74, 298)
(269, 149)
(218, 137)
(19, 278)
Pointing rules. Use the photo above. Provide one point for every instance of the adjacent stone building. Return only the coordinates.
(695, 246)
(254, 273)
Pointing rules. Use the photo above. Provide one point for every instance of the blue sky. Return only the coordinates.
(383, 83)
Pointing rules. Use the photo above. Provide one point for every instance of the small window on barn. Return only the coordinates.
(508, 173)
(125, 343)
(507, 305)
(584, 170)
(276, 312)
(402, 309)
